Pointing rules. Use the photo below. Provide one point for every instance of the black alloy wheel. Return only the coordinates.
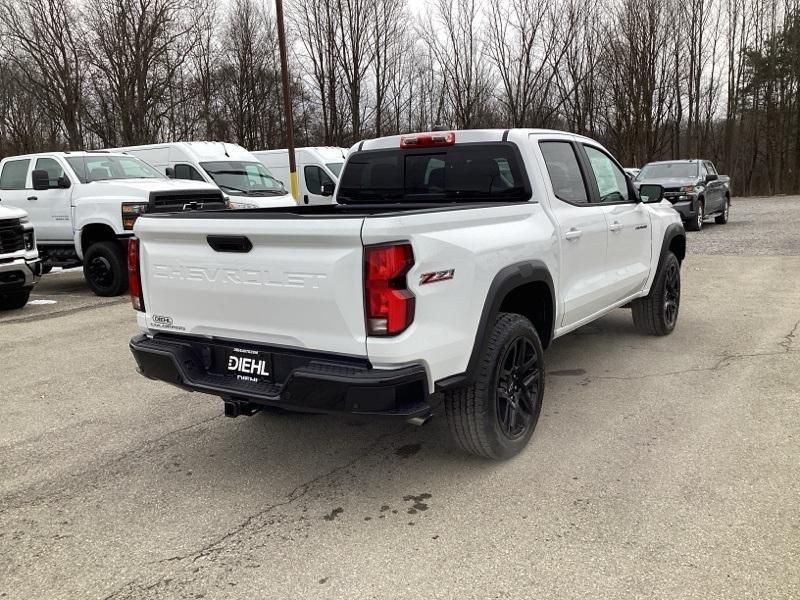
(100, 272)
(672, 294)
(517, 392)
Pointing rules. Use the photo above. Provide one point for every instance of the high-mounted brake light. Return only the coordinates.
(134, 276)
(428, 140)
(388, 302)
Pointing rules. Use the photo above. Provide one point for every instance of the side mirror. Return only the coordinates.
(650, 193)
(41, 181)
(170, 172)
(328, 187)
(63, 182)
(711, 177)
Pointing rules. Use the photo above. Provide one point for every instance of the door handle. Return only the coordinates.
(305, 198)
(573, 234)
(33, 197)
(615, 226)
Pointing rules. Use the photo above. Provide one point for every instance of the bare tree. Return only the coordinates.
(390, 24)
(135, 50)
(526, 47)
(355, 53)
(44, 35)
(458, 53)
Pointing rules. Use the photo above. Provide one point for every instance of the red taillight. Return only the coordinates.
(134, 277)
(428, 140)
(388, 302)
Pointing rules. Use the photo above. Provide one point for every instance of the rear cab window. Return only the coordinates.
(470, 172)
(14, 174)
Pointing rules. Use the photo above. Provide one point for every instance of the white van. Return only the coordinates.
(315, 167)
(242, 178)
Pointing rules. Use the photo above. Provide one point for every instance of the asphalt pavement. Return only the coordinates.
(661, 467)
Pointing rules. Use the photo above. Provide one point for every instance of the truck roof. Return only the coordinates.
(66, 154)
(200, 151)
(676, 161)
(326, 152)
(463, 135)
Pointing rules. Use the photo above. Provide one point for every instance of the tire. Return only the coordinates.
(723, 218)
(657, 313)
(495, 415)
(696, 224)
(105, 269)
(14, 300)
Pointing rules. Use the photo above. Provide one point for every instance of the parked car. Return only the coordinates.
(694, 187)
(19, 259)
(83, 206)
(449, 263)
(316, 167)
(241, 177)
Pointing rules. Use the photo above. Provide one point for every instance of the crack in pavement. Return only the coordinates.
(788, 339)
(142, 450)
(723, 362)
(251, 521)
(63, 313)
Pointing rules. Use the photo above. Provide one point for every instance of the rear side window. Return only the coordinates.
(54, 170)
(564, 172)
(14, 174)
(315, 177)
(187, 172)
(460, 173)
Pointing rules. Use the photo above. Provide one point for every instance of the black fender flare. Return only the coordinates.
(674, 230)
(506, 280)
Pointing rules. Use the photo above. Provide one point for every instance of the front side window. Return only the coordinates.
(53, 169)
(14, 174)
(103, 168)
(187, 172)
(460, 173)
(564, 172)
(611, 181)
(315, 177)
(335, 167)
(243, 178)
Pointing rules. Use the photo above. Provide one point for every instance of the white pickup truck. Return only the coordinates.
(19, 259)
(83, 206)
(450, 261)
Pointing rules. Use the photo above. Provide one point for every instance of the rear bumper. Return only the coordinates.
(19, 274)
(309, 382)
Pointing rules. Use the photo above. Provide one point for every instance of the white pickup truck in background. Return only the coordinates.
(19, 259)
(451, 260)
(83, 206)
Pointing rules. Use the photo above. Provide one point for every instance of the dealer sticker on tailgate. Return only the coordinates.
(249, 365)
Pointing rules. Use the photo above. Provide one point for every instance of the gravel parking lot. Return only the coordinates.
(661, 468)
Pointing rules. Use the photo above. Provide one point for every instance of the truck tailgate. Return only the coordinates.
(300, 285)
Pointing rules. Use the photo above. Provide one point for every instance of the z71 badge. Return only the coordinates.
(435, 276)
